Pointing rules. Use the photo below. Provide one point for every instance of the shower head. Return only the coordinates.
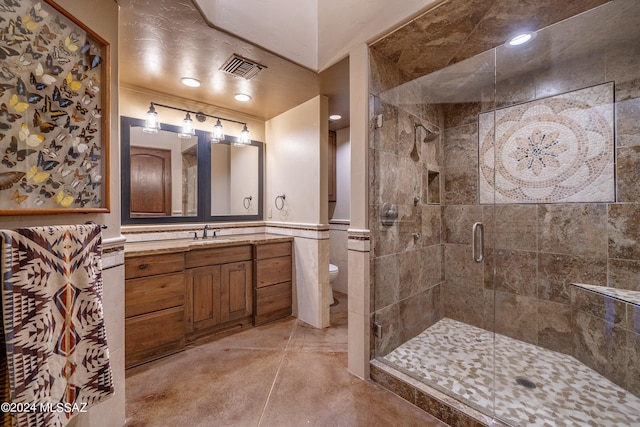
(430, 134)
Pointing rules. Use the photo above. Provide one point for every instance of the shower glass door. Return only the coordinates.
(434, 311)
(558, 161)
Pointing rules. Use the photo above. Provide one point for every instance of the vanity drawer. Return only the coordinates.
(148, 294)
(272, 302)
(273, 250)
(153, 264)
(153, 335)
(272, 271)
(213, 256)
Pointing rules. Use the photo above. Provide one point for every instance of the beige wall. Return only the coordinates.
(102, 17)
(297, 163)
(297, 153)
(358, 243)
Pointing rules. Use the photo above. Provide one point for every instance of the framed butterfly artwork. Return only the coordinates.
(54, 112)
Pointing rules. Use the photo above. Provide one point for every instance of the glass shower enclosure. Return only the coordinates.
(505, 220)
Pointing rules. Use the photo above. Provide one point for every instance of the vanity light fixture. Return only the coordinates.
(190, 81)
(218, 133)
(151, 125)
(520, 39)
(187, 130)
(245, 137)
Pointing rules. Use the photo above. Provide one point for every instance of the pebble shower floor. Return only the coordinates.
(456, 359)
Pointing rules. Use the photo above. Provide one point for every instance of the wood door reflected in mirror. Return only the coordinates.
(150, 182)
(234, 179)
(164, 174)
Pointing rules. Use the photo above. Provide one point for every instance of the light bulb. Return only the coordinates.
(218, 133)
(187, 128)
(245, 136)
(151, 124)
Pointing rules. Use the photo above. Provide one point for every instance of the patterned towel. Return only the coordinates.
(57, 357)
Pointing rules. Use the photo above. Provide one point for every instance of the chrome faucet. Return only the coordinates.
(204, 231)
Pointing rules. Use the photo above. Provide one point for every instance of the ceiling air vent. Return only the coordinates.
(242, 67)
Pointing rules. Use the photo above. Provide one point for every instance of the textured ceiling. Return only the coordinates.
(163, 40)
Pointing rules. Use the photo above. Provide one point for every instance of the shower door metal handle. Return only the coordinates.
(478, 245)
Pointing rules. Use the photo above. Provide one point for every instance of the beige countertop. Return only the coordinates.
(156, 247)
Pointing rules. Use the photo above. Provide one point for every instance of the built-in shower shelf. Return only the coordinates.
(624, 295)
(433, 185)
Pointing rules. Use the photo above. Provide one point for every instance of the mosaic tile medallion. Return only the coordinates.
(552, 150)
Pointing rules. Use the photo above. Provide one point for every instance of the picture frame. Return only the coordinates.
(54, 112)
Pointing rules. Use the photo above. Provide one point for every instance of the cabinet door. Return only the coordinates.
(236, 295)
(153, 335)
(204, 288)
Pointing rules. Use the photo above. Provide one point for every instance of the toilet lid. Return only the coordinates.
(333, 268)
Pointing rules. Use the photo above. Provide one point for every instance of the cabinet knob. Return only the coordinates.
(143, 266)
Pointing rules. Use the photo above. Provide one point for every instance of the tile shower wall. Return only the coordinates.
(406, 273)
(538, 249)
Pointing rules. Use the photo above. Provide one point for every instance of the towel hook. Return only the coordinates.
(246, 202)
(281, 198)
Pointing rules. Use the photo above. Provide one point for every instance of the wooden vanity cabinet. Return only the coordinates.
(219, 289)
(154, 307)
(273, 271)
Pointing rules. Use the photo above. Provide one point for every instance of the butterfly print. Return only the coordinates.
(46, 165)
(54, 114)
(63, 102)
(10, 117)
(6, 52)
(44, 191)
(37, 176)
(7, 179)
(50, 67)
(19, 198)
(60, 54)
(6, 74)
(20, 154)
(8, 162)
(34, 55)
(44, 126)
(46, 36)
(24, 184)
(55, 184)
(64, 198)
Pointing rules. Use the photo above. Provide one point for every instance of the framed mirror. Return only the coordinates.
(167, 179)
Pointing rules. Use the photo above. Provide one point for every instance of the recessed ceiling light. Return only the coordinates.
(242, 97)
(190, 81)
(335, 117)
(522, 38)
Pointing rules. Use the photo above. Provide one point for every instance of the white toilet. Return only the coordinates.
(333, 274)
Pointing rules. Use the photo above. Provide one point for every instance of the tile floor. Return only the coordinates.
(456, 358)
(285, 373)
